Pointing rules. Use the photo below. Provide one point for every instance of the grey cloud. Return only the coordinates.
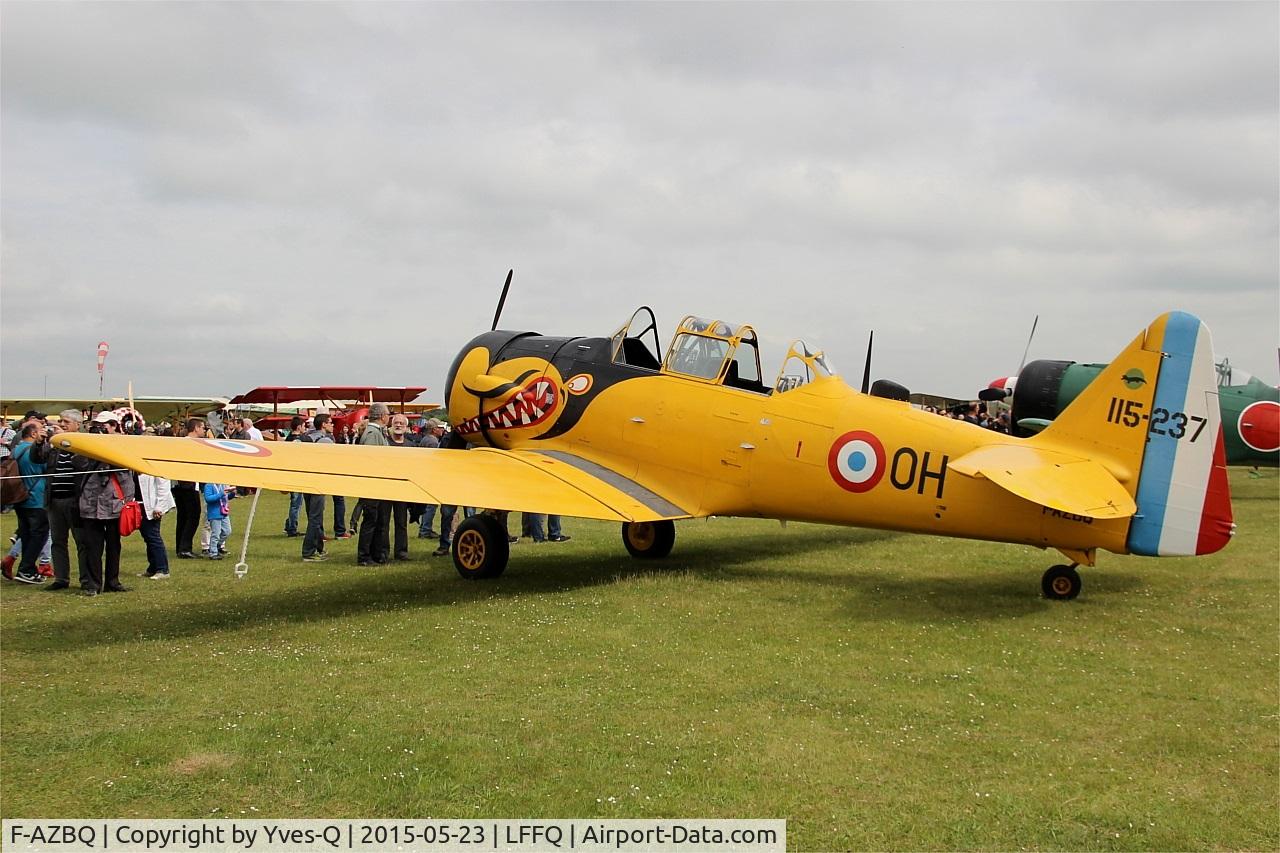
(275, 179)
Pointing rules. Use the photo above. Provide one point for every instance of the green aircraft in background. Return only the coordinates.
(1250, 407)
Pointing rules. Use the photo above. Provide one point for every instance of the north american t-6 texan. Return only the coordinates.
(613, 428)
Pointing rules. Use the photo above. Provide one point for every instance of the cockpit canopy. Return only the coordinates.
(1229, 376)
(802, 365)
(715, 351)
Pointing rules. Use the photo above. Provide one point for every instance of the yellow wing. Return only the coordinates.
(528, 481)
(1047, 477)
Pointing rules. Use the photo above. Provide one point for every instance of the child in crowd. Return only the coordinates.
(218, 512)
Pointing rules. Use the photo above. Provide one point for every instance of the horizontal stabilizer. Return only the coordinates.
(1047, 477)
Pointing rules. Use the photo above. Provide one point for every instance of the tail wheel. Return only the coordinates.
(480, 548)
(1061, 583)
(649, 540)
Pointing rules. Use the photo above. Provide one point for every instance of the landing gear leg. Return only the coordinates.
(1061, 583)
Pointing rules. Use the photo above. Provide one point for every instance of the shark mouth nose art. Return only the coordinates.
(530, 406)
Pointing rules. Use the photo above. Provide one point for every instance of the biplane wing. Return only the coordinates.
(530, 481)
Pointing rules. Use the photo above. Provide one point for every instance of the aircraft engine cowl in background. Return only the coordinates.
(1045, 387)
(1250, 410)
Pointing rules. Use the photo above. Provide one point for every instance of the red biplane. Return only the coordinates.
(346, 404)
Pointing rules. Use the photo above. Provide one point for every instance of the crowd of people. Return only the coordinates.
(70, 499)
(974, 413)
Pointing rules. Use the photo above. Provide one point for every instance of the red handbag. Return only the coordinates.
(130, 513)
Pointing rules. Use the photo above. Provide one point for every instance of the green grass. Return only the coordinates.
(876, 690)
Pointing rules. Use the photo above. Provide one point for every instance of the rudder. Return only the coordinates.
(1153, 418)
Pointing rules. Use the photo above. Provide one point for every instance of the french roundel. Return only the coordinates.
(856, 461)
(1260, 426)
(243, 448)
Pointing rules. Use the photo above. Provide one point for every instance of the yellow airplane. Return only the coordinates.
(604, 428)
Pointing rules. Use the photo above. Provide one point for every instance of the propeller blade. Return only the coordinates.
(502, 300)
(1023, 363)
(866, 371)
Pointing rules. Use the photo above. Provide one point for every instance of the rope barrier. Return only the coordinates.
(242, 567)
(68, 474)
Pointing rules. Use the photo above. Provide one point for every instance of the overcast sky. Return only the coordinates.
(248, 194)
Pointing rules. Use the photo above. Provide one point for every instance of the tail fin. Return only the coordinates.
(1152, 418)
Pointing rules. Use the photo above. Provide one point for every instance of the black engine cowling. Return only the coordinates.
(1036, 393)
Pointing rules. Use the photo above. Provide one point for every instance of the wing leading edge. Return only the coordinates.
(560, 484)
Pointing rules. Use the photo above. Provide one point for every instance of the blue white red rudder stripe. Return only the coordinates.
(1184, 503)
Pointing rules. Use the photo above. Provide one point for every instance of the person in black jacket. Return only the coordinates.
(313, 541)
(399, 436)
(186, 499)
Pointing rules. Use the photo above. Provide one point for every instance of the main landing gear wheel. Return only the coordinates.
(480, 548)
(649, 540)
(1061, 583)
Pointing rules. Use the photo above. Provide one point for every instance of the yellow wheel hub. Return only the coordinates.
(642, 535)
(471, 550)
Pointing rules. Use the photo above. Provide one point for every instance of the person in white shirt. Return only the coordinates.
(157, 499)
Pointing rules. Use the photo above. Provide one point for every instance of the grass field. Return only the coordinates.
(876, 690)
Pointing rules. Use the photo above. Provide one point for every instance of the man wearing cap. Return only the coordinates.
(450, 511)
(374, 545)
(60, 500)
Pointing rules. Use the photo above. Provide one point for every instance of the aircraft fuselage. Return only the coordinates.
(819, 452)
